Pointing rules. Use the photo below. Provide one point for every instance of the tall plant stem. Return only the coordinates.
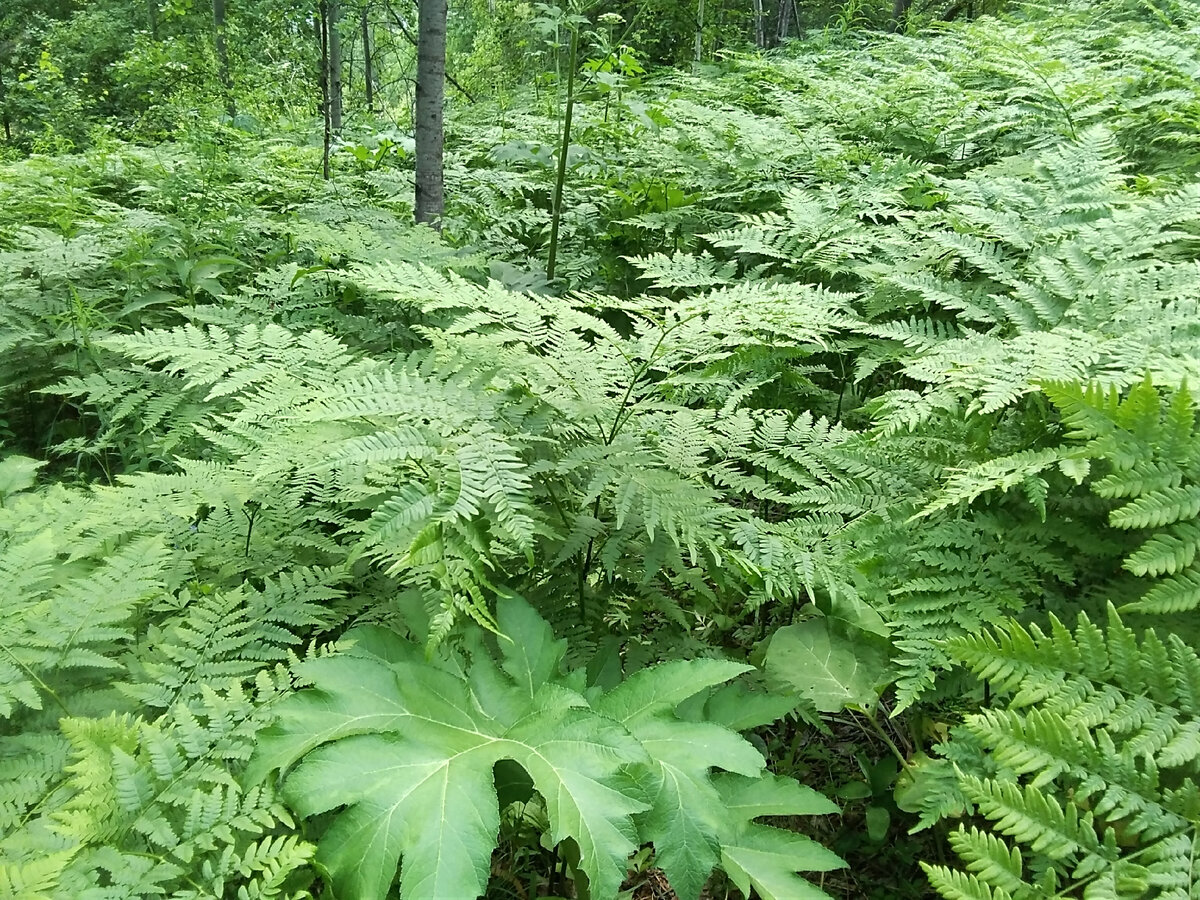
(556, 206)
(368, 60)
(323, 37)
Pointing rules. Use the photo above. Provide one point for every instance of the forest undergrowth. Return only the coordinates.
(827, 526)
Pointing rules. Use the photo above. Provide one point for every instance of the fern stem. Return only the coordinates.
(586, 567)
(32, 674)
(651, 358)
(1049, 87)
(1071, 890)
(250, 517)
(558, 507)
(622, 409)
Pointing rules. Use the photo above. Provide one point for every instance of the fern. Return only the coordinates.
(1147, 447)
(886, 388)
(1095, 759)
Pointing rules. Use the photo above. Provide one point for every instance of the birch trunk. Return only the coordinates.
(760, 36)
(431, 95)
(785, 20)
(334, 39)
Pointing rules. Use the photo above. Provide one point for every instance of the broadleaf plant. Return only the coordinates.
(405, 746)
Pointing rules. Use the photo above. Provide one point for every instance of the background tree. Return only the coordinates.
(368, 57)
(334, 63)
(431, 93)
(222, 51)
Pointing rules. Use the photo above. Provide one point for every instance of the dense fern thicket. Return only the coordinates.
(340, 556)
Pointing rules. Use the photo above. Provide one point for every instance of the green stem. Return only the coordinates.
(886, 738)
(622, 409)
(556, 206)
(34, 676)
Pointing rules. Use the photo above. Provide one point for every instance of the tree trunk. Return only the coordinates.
(785, 20)
(152, 17)
(218, 8)
(368, 62)
(699, 33)
(323, 40)
(4, 108)
(431, 94)
(760, 36)
(899, 14)
(334, 40)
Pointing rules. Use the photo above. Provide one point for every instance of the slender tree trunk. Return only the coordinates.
(333, 37)
(218, 8)
(368, 61)
(408, 36)
(4, 108)
(431, 95)
(785, 20)
(760, 36)
(431, 70)
(152, 18)
(327, 123)
(699, 33)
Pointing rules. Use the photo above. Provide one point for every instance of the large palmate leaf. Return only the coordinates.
(769, 858)
(685, 818)
(407, 748)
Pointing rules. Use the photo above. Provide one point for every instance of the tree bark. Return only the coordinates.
(218, 8)
(899, 14)
(368, 61)
(152, 17)
(4, 108)
(408, 36)
(334, 39)
(431, 95)
(699, 33)
(785, 20)
(760, 36)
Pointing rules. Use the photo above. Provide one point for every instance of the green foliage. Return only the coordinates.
(866, 363)
(829, 669)
(1087, 773)
(1148, 446)
(408, 747)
